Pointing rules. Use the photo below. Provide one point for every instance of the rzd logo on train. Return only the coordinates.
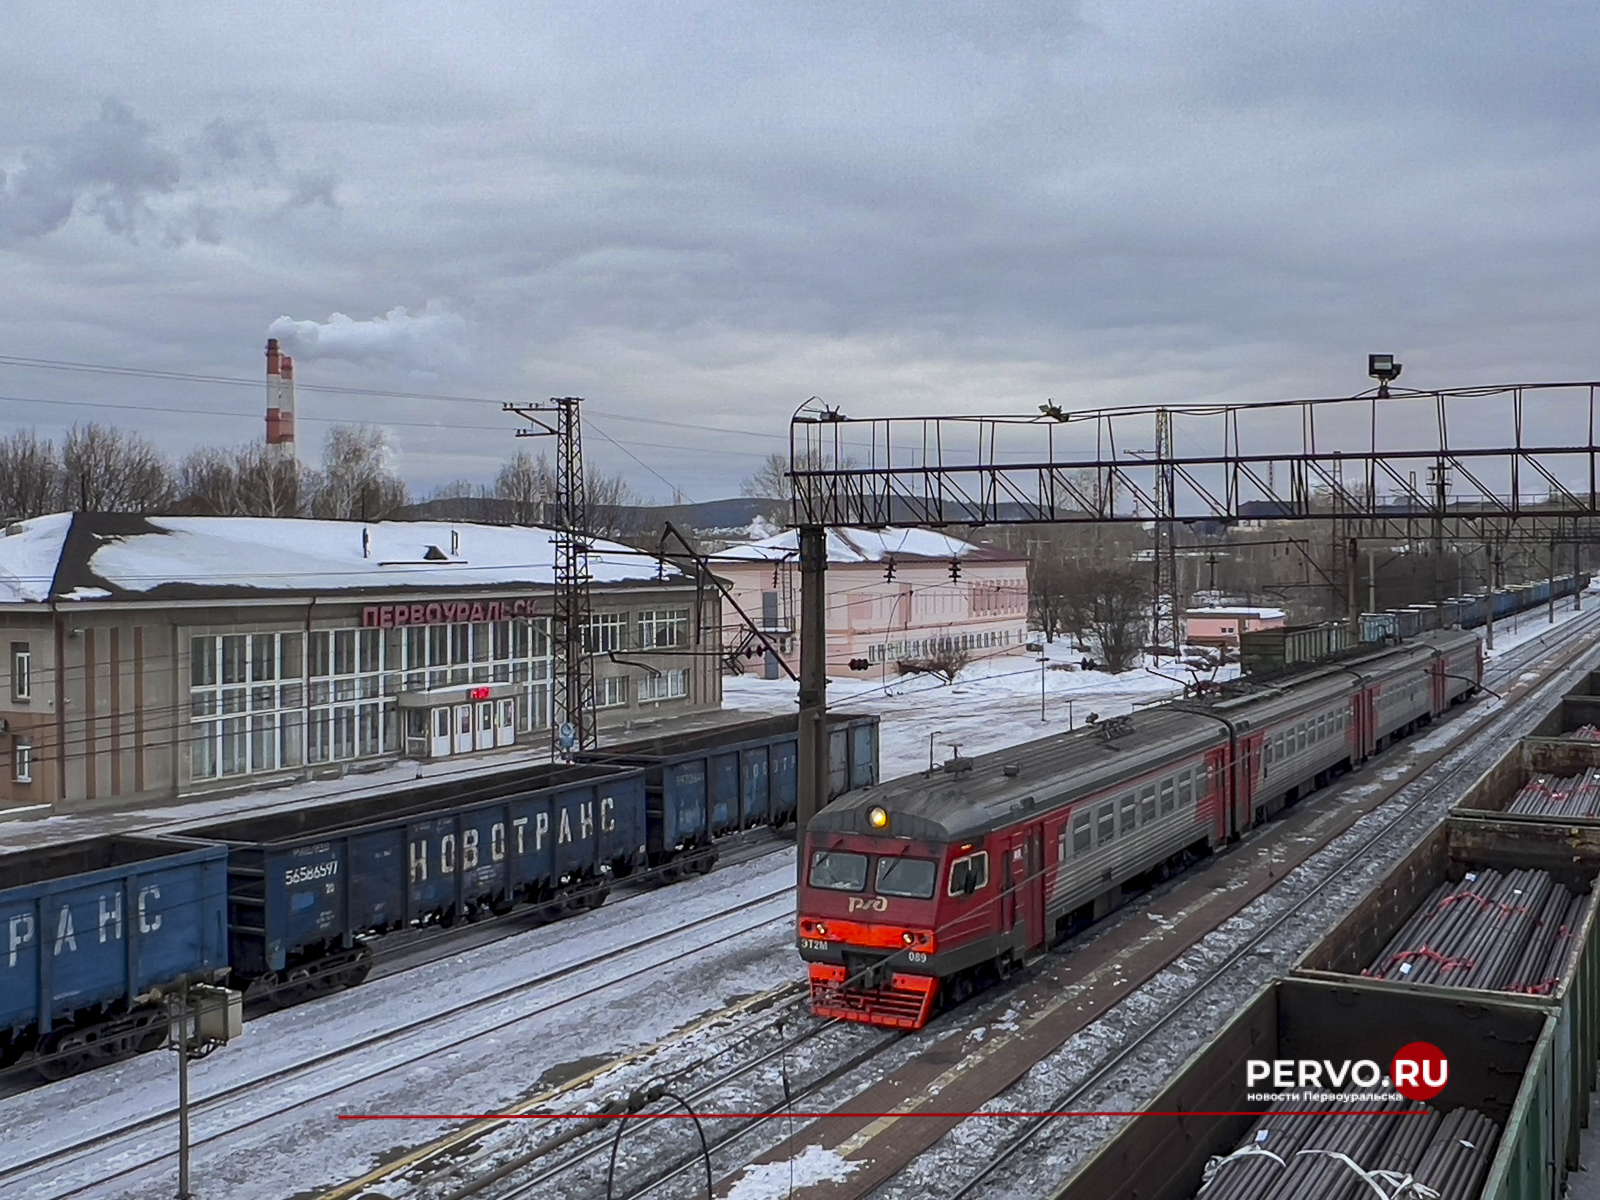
(868, 904)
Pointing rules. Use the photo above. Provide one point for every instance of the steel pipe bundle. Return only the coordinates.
(1386, 1148)
(1503, 932)
(1555, 796)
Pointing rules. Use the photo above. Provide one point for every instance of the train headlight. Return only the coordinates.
(877, 817)
(907, 938)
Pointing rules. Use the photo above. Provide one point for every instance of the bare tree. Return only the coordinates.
(531, 492)
(526, 484)
(946, 663)
(30, 476)
(270, 486)
(208, 483)
(1114, 600)
(771, 481)
(105, 469)
(356, 483)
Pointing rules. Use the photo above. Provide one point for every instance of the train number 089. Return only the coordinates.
(916, 956)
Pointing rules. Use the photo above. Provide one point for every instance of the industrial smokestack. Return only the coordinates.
(280, 402)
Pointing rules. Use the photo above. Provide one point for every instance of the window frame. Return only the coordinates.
(890, 861)
(22, 761)
(866, 870)
(1082, 832)
(21, 671)
(971, 860)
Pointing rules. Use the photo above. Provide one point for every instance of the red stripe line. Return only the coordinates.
(812, 1116)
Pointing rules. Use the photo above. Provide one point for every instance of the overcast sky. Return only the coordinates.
(704, 214)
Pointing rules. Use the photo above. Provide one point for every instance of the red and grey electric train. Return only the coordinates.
(920, 888)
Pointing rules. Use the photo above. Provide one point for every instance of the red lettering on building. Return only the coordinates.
(390, 616)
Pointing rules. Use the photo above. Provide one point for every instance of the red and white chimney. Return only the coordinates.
(280, 401)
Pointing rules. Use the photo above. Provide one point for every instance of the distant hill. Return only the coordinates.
(709, 518)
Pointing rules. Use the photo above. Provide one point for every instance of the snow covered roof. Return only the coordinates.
(90, 556)
(870, 546)
(1261, 614)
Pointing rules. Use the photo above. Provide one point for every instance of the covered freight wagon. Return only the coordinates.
(705, 784)
(95, 932)
(308, 885)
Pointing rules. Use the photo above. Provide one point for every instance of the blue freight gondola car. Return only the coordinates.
(97, 930)
(307, 885)
(708, 784)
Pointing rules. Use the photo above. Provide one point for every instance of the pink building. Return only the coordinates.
(1222, 626)
(892, 594)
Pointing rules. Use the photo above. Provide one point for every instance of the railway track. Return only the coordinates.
(1438, 775)
(77, 1168)
(1408, 822)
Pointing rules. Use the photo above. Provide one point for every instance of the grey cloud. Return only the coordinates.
(116, 168)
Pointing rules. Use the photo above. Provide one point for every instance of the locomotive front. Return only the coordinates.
(870, 911)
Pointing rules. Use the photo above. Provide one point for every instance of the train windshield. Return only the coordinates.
(838, 870)
(912, 877)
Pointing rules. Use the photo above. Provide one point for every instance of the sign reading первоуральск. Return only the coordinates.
(1419, 1071)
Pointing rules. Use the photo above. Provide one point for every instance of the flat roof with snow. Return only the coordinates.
(119, 556)
(872, 546)
(1261, 614)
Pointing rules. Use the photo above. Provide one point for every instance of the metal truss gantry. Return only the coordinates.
(573, 692)
(1483, 466)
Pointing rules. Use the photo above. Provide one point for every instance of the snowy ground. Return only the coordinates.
(543, 1007)
(993, 704)
(524, 1028)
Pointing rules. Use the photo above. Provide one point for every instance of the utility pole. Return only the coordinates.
(572, 718)
(1552, 575)
(1494, 586)
(1043, 658)
(813, 764)
(179, 1009)
(1372, 579)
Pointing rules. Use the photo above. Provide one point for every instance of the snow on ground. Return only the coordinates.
(507, 1040)
(774, 1181)
(993, 704)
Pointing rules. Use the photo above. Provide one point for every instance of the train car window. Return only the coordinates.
(1266, 755)
(1166, 796)
(970, 873)
(913, 878)
(1105, 824)
(838, 870)
(1301, 736)
(1186, 788)
(1125, 813)
(1081, 837)
(1147, 802)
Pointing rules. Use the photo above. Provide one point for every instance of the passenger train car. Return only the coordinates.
(919, 889)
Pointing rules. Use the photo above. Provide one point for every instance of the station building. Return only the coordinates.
(893, 594)
(157, 657)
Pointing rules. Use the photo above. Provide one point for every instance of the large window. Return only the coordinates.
(605, 632)
(21, 671)
(246, 703)
(663, 627)
(838, 870)
(611, 691)
(272, 701)
(910, 877)
(669, 685)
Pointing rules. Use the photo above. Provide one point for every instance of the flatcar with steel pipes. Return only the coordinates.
(922, 889)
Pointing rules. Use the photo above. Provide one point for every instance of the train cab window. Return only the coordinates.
(1082, 838)
(1166, 796)
(1105, 824)
(1147, 802)
(1266, 751)
(1186, 788)
(969, 873)
(910, 877)
(1125, 813)
(838, 870)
